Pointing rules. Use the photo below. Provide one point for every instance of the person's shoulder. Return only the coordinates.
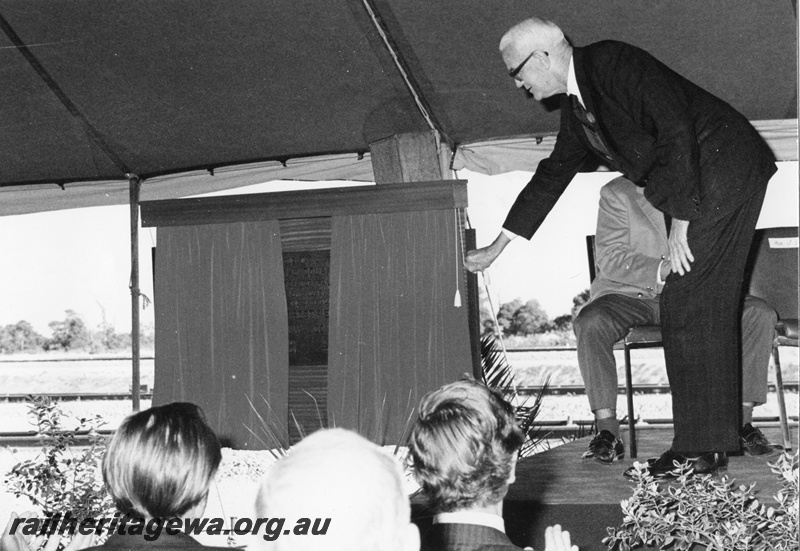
(610, 49)
(618, 187)
(609, 46)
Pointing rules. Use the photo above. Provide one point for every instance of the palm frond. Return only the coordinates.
(498, 374)
(496, 370)
(526, 414)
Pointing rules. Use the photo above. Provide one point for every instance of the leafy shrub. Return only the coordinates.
(63, 478)
(707, 512)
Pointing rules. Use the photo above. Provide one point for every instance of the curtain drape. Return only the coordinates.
(221, 328)
(394, 331)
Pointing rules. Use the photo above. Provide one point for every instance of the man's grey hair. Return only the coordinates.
(532, 34)
(337, 474)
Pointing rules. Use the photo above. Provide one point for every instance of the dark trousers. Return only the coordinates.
(700, 327)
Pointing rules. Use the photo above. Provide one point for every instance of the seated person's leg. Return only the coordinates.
(601, 323)
(758, 333)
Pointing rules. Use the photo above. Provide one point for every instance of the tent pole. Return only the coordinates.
(135, 185)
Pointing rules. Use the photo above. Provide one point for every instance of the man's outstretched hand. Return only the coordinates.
(478, 260)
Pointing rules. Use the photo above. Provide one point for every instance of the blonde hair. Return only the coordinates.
(160, 462)
(463, 446)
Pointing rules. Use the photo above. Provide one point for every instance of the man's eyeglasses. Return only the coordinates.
(515, 71)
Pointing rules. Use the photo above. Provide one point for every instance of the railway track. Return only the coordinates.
(553, 390)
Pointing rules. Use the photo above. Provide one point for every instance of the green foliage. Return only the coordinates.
(506, 313)
(497, 374)
(563, 323)
(147, 337)
(709, 512)
(20, 337)
(105, 338)
(69, 334)
(518, 318)
(578, 301)
(521, 319)
(63, 478)
(529, 319)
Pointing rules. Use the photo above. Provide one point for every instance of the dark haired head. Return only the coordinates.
(160, 462)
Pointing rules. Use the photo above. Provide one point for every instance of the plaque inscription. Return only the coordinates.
(307, 283)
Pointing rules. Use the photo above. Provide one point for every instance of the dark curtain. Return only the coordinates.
(394, 333)
(221, 328)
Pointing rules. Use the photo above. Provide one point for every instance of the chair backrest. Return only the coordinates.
(771, 272)
(591, 254)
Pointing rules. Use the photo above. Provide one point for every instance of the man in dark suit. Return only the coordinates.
(464, 447)
(631, 251)
(701, 163)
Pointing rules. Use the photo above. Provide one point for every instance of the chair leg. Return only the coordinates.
(629, 396)
(787, 441)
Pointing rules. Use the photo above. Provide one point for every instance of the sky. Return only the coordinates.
(79, 259)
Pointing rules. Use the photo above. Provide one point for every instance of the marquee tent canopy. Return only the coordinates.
(95, 91)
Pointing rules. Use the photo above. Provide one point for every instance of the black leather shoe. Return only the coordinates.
(754, 442)
(665, 466)
(709, 463)
(605, 448)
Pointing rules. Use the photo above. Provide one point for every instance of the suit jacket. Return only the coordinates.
(164, 542)
(630, 243)
(466, 537)
(694, 153)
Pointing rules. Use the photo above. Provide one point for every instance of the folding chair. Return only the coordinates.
(640, 336)
(771, 274)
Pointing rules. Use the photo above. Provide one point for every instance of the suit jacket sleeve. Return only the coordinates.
(617, 260)
(549, 181)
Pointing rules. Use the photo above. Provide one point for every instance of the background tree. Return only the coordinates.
(147, 337)
(20, 337)
(506, 313)
(529, 319)
(578, 301)
(69, 334)
(488, 326)
(106, 338)
(563, 323)
(518, 318)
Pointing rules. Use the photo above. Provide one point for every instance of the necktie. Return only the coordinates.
(589, 124)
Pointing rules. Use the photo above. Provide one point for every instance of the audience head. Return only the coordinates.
(337, 474)
(160, 462)
(464, 446)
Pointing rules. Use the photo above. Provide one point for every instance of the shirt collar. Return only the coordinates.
(471, 517)
(572, 82)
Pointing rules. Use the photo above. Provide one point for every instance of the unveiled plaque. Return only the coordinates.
(307, 283)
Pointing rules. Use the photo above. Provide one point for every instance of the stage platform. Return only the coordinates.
(558, 487)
